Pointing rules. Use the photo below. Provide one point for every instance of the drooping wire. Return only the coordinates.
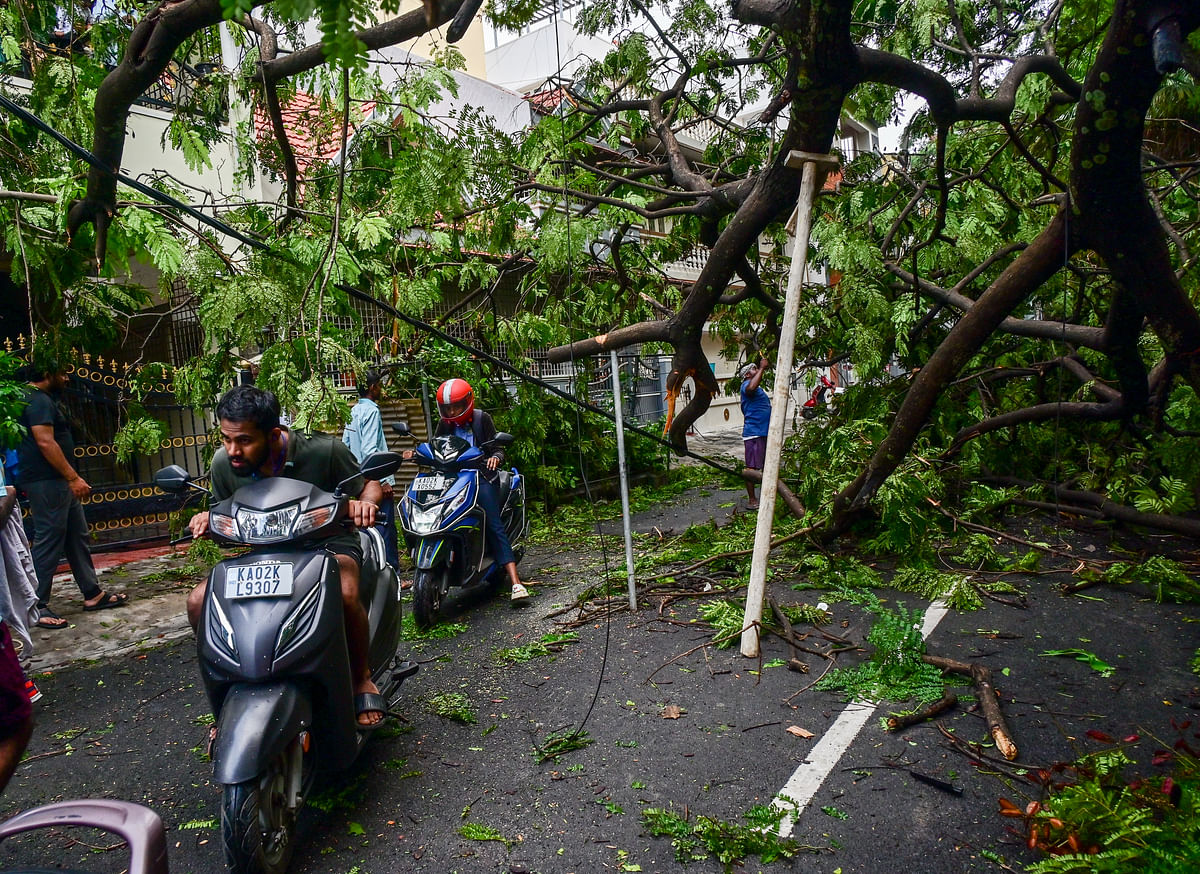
(262, 246)
(587, 487)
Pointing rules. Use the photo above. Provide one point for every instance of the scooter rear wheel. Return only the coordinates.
(427, 596)
(257, 824)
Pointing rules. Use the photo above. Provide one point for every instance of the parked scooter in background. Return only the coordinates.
(273, 655)
(820, 402)
(139, 826)
(443, 523)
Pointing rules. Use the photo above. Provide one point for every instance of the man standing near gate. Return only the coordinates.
(55, 489)
(365, 436)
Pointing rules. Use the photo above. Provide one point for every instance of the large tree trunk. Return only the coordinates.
(1110, 213)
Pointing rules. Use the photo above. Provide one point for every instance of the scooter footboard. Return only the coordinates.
(257, 721)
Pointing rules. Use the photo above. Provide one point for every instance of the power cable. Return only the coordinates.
(228, 230)
(80, 152)
(615, 375)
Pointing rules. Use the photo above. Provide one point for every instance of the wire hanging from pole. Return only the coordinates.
(587, 488)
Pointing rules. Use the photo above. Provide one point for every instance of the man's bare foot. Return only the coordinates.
(369, 704)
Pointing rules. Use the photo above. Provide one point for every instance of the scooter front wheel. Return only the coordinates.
(258, 822)
(427, 596)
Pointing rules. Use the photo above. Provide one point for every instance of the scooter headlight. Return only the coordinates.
(313, 519)
(259, 526)
(424, 520)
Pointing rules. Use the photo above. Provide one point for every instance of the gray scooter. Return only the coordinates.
(273, 655)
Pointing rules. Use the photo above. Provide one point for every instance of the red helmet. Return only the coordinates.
(456, 401)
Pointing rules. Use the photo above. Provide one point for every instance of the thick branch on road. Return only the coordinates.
(1108, 509)
(985, 692)
(789, 497)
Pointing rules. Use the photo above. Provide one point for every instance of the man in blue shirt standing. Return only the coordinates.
(365, 436)
(756, 413)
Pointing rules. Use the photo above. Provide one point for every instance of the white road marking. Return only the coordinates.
(800, 788)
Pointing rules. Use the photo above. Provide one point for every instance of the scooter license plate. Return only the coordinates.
(267, 579)
(429, 483)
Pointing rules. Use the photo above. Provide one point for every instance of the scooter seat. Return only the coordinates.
(504, 485)
(369, 572)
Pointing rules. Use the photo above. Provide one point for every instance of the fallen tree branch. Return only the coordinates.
(989, 703)
(992, 532)
(1109, 509)
(704, 645)
(737, 553)
(948, 700)
(794, 663)
(789, 497)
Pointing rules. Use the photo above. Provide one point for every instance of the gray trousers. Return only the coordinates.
(59, 527)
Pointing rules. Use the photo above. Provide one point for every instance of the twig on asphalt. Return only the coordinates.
(828, 665)
(707, 643)
(761, 725)
(48, 755)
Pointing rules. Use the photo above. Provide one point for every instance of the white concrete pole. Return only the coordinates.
(623, 471)
(814, 174)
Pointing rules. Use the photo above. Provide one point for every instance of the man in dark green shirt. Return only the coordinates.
(55, 489)
(255, 446)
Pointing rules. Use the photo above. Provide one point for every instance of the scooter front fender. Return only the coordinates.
(428, 552)
(257, 721)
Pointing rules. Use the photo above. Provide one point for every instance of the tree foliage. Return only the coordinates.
(1015, 288)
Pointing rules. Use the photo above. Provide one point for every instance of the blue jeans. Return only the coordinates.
(497, 537)
(385, 521)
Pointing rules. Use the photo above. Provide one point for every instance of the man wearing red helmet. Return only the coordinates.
(456, 406)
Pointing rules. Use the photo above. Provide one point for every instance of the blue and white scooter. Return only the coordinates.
(444, 525)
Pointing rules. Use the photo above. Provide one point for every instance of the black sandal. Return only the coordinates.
(107, 601)
(50, 620)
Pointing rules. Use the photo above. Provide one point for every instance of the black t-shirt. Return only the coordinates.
(42, 410)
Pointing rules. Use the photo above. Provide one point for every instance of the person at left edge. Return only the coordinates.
(254, 445)
(365, 436)
(55, 489)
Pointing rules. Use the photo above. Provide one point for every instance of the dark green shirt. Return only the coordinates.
(41, 409)
(319, 459)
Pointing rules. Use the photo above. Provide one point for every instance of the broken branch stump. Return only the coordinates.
(794, 663)
(989, 703)
(949, 699)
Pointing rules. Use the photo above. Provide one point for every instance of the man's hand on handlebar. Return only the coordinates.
(198, 524)
(363, 513)
(493, 462)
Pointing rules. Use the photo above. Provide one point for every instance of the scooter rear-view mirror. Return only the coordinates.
(173, 479)
(402, 429)
(381, 464)
(502, 438)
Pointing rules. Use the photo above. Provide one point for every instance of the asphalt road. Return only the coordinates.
(133, 726)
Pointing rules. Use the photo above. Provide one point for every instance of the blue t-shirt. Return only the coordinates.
(756, 410)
